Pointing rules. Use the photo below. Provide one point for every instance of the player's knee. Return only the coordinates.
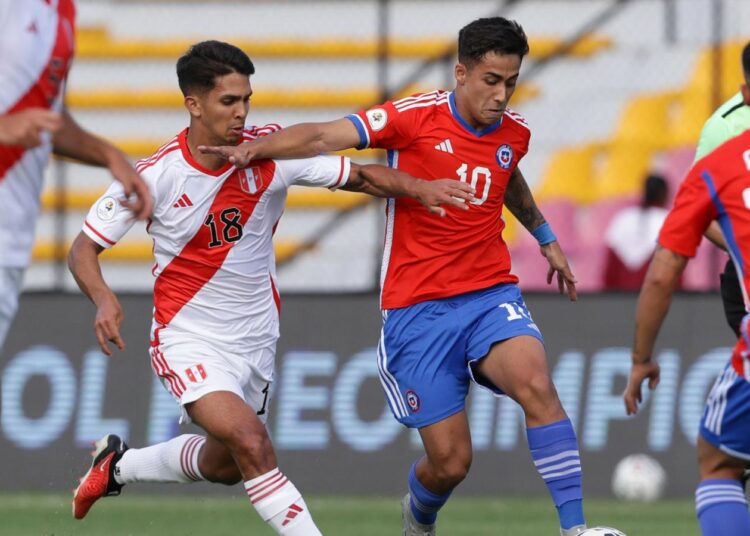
(537, 390)
(452, 468)
(249, 446)
(454, 473)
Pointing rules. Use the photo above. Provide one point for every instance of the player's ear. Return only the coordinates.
(460, 73)
(745, 90)
(193, 106)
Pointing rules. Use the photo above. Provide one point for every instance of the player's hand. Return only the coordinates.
(132, 183)
(25, 128)
(433, 194)
(239, 155)
(638, 373)
(107, 323)
(558, 263)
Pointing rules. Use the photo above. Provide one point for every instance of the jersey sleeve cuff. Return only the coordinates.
(345, 170)
(364, 139)
(96, 235)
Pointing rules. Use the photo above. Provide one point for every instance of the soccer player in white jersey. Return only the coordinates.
(216, 305)
(36, 51)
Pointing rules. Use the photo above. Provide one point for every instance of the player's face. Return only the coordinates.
(485, 88)
(221, 112)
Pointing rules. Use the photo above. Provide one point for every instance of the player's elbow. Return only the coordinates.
(82, 250)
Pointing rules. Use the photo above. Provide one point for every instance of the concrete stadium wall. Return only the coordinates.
(331, 427)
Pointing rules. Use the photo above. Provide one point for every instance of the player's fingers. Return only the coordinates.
(214, 149)
(454, 201)
(117, 339)
(466, 195)
(436, 209)
(550, 274)
(33, 138)
(653, 381)
(572, 291)
(102, 340)
(48, 120)
(112, 333)
(144, 203)
(462, 186)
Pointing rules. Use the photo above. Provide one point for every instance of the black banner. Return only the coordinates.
(331, 427)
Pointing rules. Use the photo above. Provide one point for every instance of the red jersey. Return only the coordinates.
(717, 187)
(427, 257)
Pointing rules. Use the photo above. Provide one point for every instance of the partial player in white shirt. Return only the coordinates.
(36, 51)
(215, 323)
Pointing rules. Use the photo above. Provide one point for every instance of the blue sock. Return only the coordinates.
(424, 503)
(554, 449)
(722, 508)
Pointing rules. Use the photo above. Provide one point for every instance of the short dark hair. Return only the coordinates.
(494, 34)
(655, 191)
(746, 60)
(198, 68)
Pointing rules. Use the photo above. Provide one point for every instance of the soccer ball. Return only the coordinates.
(638, 477)
(602, 531)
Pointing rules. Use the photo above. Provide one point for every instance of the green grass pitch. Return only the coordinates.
(189, 515)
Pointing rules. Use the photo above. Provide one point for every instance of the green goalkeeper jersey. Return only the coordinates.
(729, 120)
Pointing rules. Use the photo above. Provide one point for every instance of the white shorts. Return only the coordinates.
(190, 368)
(11, 280)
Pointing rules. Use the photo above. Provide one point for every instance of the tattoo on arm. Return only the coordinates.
(521, 203)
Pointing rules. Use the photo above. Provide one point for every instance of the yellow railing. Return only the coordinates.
(263, 98)
(96, 43)
(301, 199)
(142, 252)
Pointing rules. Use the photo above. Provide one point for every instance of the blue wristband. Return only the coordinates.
(544, 234)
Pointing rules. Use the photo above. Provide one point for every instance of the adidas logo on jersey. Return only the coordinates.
(184, 201)
(445, 146)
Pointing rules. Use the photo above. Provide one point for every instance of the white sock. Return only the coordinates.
(175, 461)
(279, 504)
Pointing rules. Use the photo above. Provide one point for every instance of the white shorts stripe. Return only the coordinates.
(717, 400)
(390, 385)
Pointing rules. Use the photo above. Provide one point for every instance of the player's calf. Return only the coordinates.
(554, 449)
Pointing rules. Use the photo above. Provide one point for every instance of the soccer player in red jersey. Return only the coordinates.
(36, 52)
(717, 187)
(216, 305)
(452, 312)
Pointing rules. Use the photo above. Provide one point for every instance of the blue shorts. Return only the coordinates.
(726, 419)
(427, 350)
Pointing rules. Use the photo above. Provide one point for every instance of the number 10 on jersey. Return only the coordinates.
(476, 174)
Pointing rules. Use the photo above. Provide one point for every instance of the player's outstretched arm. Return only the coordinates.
(74, 142)
(653, 305)
(298, 141)
(83, 261)
(520, 202)
(24, 128)
(382, 181)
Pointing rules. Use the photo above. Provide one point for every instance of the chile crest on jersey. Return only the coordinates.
(504, 156)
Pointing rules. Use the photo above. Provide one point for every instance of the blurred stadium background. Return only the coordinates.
(612, 89)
